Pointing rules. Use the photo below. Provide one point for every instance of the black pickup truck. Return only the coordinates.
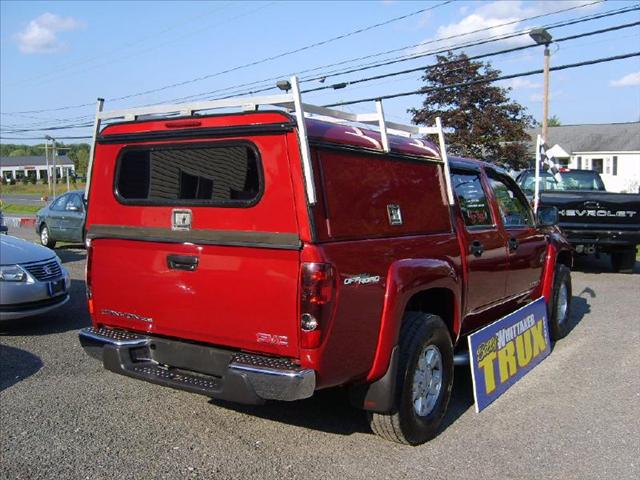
(593, 219)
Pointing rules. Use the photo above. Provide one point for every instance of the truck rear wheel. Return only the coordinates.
(560, 306)
(623, 262)
(424, 381)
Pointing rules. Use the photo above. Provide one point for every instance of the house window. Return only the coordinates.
(597, 164)
(615, 165)
(563, 162)
(579, 160)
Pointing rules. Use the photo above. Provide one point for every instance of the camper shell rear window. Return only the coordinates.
(222, 174)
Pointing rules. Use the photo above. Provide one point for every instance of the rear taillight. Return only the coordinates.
(317, 290)
(87, 274)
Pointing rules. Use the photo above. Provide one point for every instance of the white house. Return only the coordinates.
(612, 149)
(35, 166)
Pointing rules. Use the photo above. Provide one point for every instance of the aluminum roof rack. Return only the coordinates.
(291, 101)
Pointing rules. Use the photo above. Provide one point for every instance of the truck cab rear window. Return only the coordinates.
(225, 175)
(472, 200)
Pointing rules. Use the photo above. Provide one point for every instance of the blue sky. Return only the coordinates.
(56, 54)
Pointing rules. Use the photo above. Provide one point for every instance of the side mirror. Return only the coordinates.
(547, 216)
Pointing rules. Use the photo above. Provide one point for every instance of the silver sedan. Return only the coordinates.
(32, 279)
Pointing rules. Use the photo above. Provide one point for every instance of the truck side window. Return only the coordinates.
(472, 199)
(514, 210)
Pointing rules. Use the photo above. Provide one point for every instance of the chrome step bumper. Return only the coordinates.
(217, 373)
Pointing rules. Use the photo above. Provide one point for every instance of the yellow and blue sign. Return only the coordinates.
(505, 351)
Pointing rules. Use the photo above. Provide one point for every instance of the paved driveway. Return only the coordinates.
(23, 199)
(575, 416)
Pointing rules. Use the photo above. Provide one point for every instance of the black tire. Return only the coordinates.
(403, 424)
(623, 262)
(559, 317)
(45, 237)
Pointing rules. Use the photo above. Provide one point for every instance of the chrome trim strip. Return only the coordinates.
(236, 238)
(111, 341)
(272, 371)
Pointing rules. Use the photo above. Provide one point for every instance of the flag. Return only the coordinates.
(544, 162)
(548, 162)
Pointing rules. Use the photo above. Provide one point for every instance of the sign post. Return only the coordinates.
(536, 188)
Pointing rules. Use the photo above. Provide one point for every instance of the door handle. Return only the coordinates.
(182, 262)
(477, 248)
(513, 244)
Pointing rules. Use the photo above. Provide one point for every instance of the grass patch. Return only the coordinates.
(13, 209)
(37, 189)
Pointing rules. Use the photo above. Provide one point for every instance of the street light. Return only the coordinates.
(543, 37)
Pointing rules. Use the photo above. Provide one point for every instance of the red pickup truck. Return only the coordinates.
(219, 262)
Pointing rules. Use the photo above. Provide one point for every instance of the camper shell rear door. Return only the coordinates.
(194, 230)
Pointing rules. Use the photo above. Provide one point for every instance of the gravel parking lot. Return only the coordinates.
(575, 416)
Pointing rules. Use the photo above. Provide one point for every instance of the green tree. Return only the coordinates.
(554, 121)
(79, 155)
(480, 119)
(19, 152)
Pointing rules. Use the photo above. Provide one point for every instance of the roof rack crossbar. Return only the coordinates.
(292, 102)
(196, 106)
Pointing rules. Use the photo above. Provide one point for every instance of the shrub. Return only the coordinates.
(33, 180)
(12, 181)
(44, 180)
(24, 180)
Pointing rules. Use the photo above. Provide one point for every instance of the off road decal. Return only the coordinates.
(362, 279)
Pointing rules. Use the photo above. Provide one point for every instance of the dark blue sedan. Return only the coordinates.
(62, 220)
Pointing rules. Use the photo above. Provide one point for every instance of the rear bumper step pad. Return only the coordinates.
(244, 378)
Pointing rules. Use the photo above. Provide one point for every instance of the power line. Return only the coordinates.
(486, 80)
(478, 43)
(617, 11)
(433, 89)
(440, 39)
(86, 137)
(46, 129)
(496, 38)
(340, 85)
(283, 54)
(443, 50)
(254, 63)
(16, 129)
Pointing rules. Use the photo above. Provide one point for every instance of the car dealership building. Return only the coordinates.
(35, 167)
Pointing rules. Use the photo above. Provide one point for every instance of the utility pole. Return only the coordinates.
(46, 157)
(545, 101)
(54, 177)
(543, 37)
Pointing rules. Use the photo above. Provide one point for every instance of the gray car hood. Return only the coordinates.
(15, 250)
